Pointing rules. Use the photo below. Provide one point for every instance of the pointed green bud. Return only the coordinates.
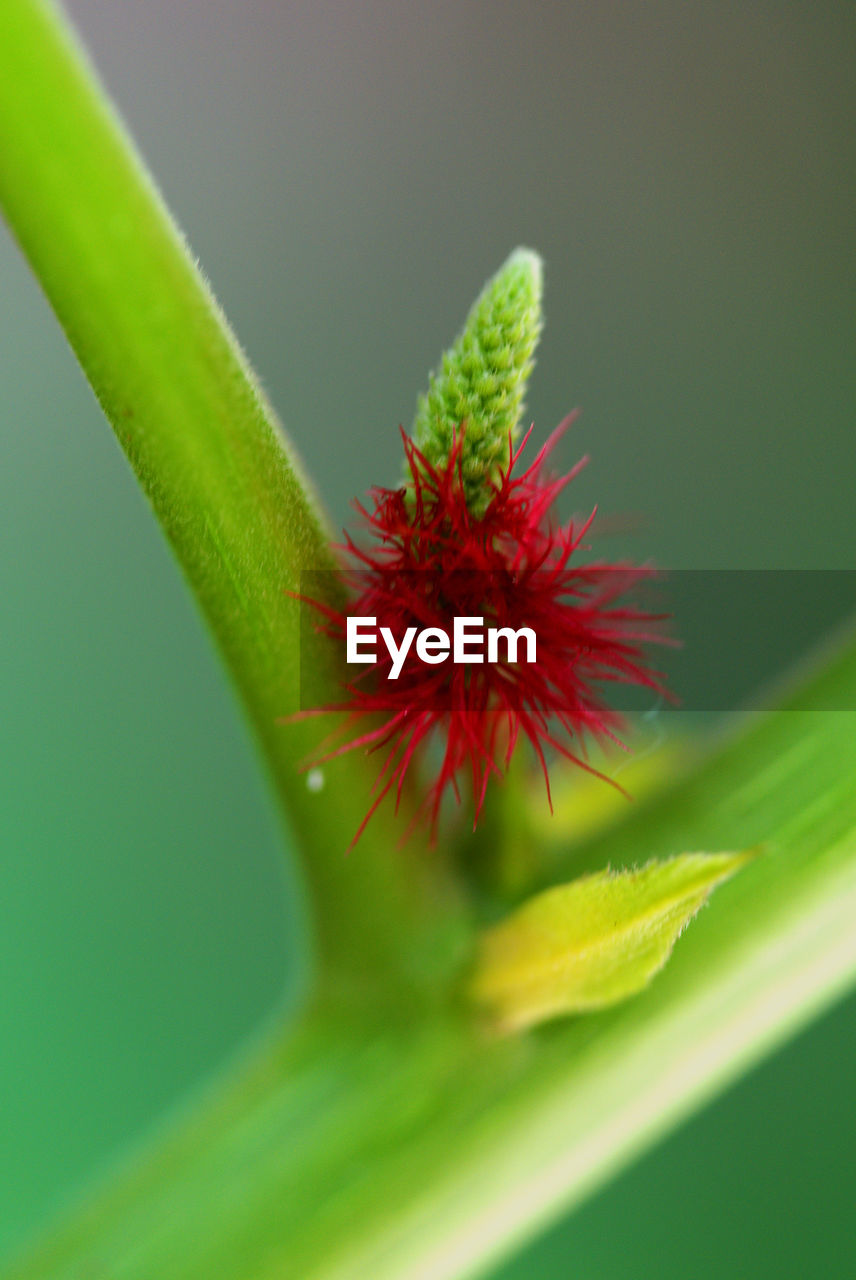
(482, 378)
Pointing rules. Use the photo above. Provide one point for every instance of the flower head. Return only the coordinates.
(430, 560)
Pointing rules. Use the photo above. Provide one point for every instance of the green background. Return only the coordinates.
(349, 175)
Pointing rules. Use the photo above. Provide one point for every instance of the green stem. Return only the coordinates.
(360, 1147)
(210, 455)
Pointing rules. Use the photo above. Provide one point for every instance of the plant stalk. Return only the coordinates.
(359, 1146)
(217, 468)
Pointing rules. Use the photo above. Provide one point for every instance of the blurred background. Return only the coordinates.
(349, 174)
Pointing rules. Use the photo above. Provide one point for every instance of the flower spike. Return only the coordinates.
(430, 560)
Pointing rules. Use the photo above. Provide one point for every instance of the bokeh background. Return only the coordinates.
(349, 174)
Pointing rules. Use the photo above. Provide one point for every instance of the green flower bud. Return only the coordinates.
(482, 377)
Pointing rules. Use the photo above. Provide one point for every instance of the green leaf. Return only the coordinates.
(482, 377)
(593, 942)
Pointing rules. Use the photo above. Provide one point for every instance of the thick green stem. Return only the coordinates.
(209, 453)
(363, 1147)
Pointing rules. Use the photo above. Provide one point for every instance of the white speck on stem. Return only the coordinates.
(315, 781)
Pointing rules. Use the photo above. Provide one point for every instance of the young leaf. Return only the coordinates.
(593, 942)
(482, 377)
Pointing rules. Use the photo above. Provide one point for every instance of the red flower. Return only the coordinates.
(430, 561)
